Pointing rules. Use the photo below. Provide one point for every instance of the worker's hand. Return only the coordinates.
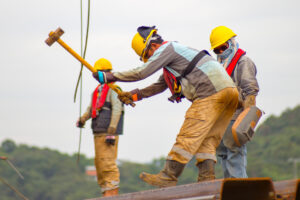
(80, 123)
(249, 101)
(110, 139)
(125, 97)
(100, 77)
(104, 77)
(111, 130)
(130, 97)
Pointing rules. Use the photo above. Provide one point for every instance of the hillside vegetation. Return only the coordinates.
(51, 175)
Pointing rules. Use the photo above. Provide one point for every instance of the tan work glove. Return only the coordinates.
(125, 97)
(249, 101)
(80, 123)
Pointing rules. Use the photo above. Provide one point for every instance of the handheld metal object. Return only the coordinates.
(55, 37)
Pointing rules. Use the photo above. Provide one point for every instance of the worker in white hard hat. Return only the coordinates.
(188, 73)
(242, 70)
(107, 114)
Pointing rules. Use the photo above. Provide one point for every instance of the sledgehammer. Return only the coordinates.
(55, 37)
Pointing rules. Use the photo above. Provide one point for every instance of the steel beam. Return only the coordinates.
(224, 189)
(287, 190)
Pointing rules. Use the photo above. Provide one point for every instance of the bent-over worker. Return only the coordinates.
(191, 74)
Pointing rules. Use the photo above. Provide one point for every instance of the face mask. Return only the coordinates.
(227, 52)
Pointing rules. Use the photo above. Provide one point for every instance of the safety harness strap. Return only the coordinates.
(99, 99)
(193, 63)
(173, 82)
(230, 68)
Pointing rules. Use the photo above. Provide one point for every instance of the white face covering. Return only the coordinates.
(227, 52)
(227, 55)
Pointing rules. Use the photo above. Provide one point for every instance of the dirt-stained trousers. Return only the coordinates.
(108, 175)
(204, 125)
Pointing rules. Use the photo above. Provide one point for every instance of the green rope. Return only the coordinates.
(14, 189)
(80, 73)
(86, 40)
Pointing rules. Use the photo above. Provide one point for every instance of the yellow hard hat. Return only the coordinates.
(220, 35)
(140, 41)
(102, 64)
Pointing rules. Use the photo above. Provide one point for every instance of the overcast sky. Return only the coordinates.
(37, 81)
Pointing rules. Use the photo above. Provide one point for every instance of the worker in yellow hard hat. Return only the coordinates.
(242, 70)
(107, 114)
(188, 73)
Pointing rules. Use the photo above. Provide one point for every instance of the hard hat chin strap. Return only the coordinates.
(153, 38)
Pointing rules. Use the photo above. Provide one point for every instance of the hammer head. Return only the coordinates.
(54, 36)
(3, 158)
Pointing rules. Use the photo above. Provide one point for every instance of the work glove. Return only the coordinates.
(110, 139)
(130, 97)
(80, 123)
(249, 101)
(125, 97)
(104, 77)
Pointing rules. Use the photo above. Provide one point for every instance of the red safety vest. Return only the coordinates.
(230, 68)
(98, 99)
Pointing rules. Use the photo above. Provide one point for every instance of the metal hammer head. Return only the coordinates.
(3, 158)
(54, 36)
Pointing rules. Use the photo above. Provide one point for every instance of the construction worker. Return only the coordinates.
(243, 72)
(191, 74)
(107, 114)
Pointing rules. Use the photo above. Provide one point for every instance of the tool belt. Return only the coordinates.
(173, 81)
(243, 128)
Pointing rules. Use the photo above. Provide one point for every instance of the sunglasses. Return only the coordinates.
(221, 48)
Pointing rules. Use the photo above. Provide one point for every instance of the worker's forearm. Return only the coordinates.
(87, 115)
(247, 76)
(154, 89)
(117, 110)
(134, 74)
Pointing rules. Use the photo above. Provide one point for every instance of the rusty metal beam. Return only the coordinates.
(177, 192)
(298, 190)
(248, 188)
(287, 190)
(225, 189)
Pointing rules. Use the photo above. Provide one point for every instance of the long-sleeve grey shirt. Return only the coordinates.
(207, 78)
(244, 76)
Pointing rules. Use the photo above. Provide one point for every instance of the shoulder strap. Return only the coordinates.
(230, 68)
(99, 98)
(193, 63)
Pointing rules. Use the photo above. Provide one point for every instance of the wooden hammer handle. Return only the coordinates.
(76, 55)
(85, 63)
